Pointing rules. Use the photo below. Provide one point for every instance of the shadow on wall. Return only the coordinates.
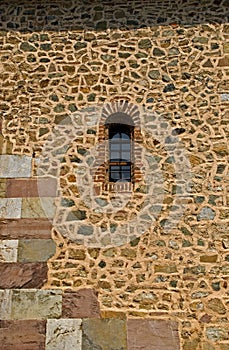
(62, 15)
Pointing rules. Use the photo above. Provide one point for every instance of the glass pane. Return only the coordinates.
(125, 156)
(125, 136)
(126, 146)
(115, 146)
(114, 156)
(115, 136)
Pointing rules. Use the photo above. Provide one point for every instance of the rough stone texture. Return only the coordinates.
(104, 334)
(22, 335)
(10, 208)
(152, 334)
(15, 166)
(35, 250)
(80, 304)
(36, 304)
(23, 275)
(38, 207)
(30, 188)
(5, 304)
(64, 334)
(8, 250)
(25, 228)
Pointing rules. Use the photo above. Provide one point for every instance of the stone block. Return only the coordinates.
(10, 208)
(104, 334)
(25, 228)
(38, 208)
(36, 304)
(5, 304)
(81, 304)
(22, 188)
(15, 166)
(64, 334)
(2, 188)
(152, 334)
(35, 250)
(22, 335)
(23, 275)
(8, 250)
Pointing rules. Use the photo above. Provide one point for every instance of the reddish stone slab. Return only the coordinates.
(81, 304)
(22, 335)
(23, 275)
(22, 188)
(152, 334)
(25, 228)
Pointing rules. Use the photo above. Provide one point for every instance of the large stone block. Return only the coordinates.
(8, 250)
(22, 275)
(38, 208)
(5, 304)
(35, 250)
(31, 188)
(152, 334)
(10, 208)
(15, 166)
(64, 334)
(81, 304)
(104, 334)
(25, 228)
(22, 335)
(36, 304)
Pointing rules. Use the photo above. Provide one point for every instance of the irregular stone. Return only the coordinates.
(208, 258)
(25, 228)
(76, 215)
(169, 88)
(152, 334)
(31, 188)
(81, 304)
(38, 207)
(23, 335)
(36, 250)
(15, 166)
(217, 306)
(158, 52)
(63, 334)
(76, 254)
(144, 44)
(22, 275)
(216, 333)
(8, 250)
(10, 208)
(165, 268)
(206, 213)
(154, 74)
(26, 47)
(85, 230)
(104, 334)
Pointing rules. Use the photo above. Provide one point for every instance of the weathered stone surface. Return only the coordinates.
(8, 250)
(25, 228)
(64, 334)
(152, 334)
(36, 304)
(22, 275)
(15, 166)
(165, 268)
(208, 258)
(104, 334)
(10, 208)
(217, 333)
(22, 335)
(206, 213)
(5, 304)
(30, 188)
(80, 304)
(38, 207)
(217, 306)
(35, 250)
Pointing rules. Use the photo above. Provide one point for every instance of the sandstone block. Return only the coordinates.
(22, 275)
(152, 334)
(36, 304)
(8, 250)
(5, 304)
(35, 250)
(25, 228)
(81, 304)
(31, 188)
(38, 207)
(64, 334)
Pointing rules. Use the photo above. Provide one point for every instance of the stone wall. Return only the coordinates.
(147, 257)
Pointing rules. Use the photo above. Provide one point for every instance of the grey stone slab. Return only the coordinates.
(35, 250)
(15, 166)
(8, 250)
(5, 304)
(64, 334)
(10, 208)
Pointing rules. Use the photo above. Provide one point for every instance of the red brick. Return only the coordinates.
(23, 275)
(81, 304)
(21, 188)
(25, 228)
(152, 334)
(22, 335)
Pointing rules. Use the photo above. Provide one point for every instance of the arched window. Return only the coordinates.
(120, 130)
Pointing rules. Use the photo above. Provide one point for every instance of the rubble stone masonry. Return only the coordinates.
(89, 264)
